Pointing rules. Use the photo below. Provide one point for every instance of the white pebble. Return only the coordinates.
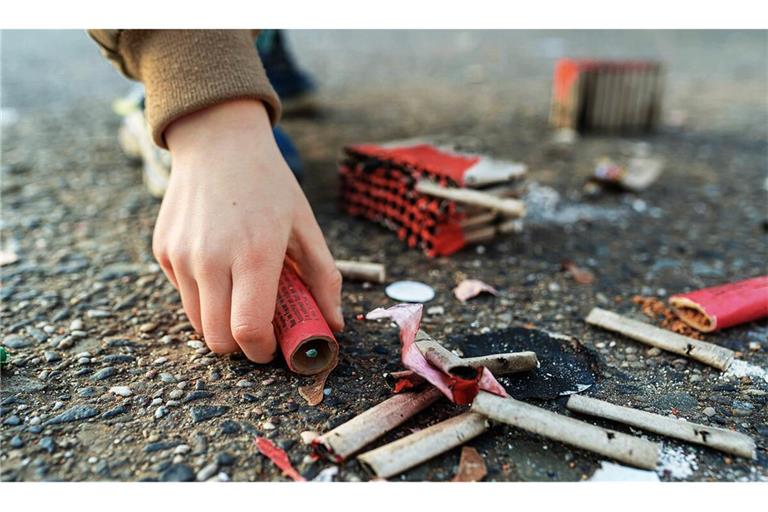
(76, 325)
(160, 360)
(207, 472)
(195, 344)
(268, 426)
(181, 449)
(244, 384)
(121, 390)
(223, 477)
(160, 412)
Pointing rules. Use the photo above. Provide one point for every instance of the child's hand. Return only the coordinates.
(231, 211)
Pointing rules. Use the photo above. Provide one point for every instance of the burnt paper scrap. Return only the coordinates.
(566, 366)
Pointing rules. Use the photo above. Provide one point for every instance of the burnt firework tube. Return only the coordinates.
(304, 337)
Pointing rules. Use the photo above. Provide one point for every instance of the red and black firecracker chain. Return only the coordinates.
(378, 183)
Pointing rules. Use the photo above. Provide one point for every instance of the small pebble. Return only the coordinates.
(148, 327)
(104, 373)
(76, 325)
(121, 390)
(207, 471)
(182, 449)
(160, 360)
(16, 442)
(161, 412)
(196, 344)
(167, 378)
(268, 426)
(709, 411)
(244, 384)
(175, 394)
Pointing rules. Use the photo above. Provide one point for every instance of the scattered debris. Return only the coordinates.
(723, 306)
(616, 445)
(469, 288)
(471, 466)
(278, 457)
(313, 392)
(639, 173)
(362, 271)
(708, 353)
(579, 274)
(717, 438)
(348, 438)
(544, 206)
(409, 451)
(739, 369)
(674, 462)
(407, 317)
(410, 291)
(610, 472)
(655, 308)
(327, 475)
(606, 95)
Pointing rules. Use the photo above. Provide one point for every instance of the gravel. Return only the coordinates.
(76, 213)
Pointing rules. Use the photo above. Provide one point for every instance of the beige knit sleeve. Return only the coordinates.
(187, 70)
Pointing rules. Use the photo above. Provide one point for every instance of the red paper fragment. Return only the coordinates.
(579, 274)
(408, 318)
(278, 457)
(471, 466)
(470, 288)
(723, 306)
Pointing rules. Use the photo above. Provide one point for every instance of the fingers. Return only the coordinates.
(190, 298)
(254, 290)
(215, 286)
(318, 270)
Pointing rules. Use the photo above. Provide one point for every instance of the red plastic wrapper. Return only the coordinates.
(723, 306)
(304, 337)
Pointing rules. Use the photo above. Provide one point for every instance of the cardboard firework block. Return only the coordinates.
(304, 337)
(604, 95)
(381, 183)
(723, 306)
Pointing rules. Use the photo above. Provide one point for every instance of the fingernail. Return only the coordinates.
(340, 317)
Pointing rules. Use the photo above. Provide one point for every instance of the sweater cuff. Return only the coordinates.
(188, 70)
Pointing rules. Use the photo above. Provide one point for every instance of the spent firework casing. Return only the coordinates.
(723, 306)
(305, 339)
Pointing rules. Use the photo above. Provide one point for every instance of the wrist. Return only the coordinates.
(220, 125)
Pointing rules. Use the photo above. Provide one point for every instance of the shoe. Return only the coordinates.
(295, 88)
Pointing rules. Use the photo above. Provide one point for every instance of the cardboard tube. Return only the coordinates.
(346, 439)
(622, 447)
(443, 359)
(362, 271)
(708, 353)
(718, 438)
(304, 337)
(394, 458)
(504, 364)
(507, 206)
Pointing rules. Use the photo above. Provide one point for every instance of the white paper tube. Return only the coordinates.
(346, 439)
(708, 353)
(394, 458)
(362, 271)
(616, 445)
(718, 438)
